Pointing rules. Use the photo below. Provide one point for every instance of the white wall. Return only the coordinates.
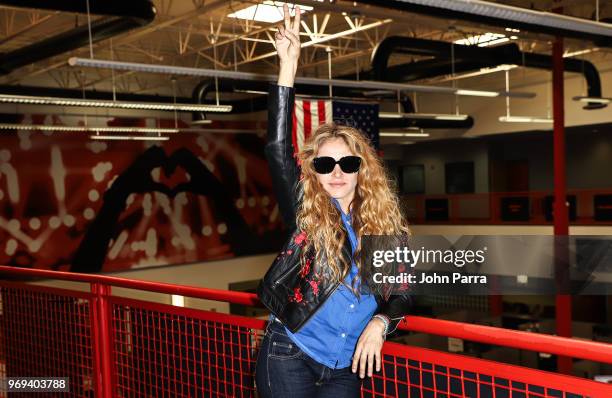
(211, 274)
(434, 157)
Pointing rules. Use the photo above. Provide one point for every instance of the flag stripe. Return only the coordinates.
(294, 130)
(307, 121)
(314, 118)
(321, 111)
(329, 112)
(308, 115)
(299, 133)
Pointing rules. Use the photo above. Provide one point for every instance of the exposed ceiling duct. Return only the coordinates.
(121, 16)
(491, 13)
(461, 58)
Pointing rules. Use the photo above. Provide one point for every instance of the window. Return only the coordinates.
(459, 177)
(412, 178)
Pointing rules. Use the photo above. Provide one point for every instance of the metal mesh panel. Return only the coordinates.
(166, 351)
(179, 353)
(441, 375)
(46, 334)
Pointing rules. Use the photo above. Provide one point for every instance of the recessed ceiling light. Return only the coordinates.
(268, 11)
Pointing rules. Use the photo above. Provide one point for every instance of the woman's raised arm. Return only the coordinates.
(287, 41)
(279, 148)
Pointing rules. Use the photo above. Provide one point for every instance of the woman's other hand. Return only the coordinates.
(368, 350)
(287, 41)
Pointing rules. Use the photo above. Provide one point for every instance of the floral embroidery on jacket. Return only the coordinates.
(300, 239)
(297, 295)
(315, 286)
(305, 268)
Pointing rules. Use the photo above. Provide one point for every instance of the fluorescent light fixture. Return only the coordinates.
(90, 103)
(116, 129)
(269, 11)
(402, 134)
(146, 130)
(450, 117)
(599, 100)
(428, 116)
(129, 137)
(523, 119)
(227, 74)
(251, 91)
(200, 122)
(477, 93)
(580, 52)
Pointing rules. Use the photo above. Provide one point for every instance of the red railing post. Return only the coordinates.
(102, 340)
(560, 214)
(95, 345)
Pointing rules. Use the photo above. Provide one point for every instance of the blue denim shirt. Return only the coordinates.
(330, 335)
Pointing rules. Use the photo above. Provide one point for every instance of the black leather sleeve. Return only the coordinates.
(395, 309)
(279, 151)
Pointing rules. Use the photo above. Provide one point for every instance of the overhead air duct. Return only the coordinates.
(121, 16)
(468, 58)
(491, 13)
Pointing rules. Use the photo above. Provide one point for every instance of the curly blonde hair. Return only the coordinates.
(375, 206)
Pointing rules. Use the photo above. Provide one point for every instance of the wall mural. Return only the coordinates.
(74, 204)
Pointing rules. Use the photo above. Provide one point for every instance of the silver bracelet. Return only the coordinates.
(385, 321)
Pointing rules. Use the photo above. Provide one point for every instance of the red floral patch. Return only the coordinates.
(315, 286)
(297, 295)
(300, 239)
(305, 268)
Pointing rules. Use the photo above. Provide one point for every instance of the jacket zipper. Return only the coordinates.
(285, 275)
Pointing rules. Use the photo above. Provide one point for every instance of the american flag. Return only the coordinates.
(309, 114)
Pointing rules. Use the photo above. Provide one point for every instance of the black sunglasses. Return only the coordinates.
(326, 164)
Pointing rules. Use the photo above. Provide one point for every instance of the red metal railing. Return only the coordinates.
(506, 207)
(116, 346)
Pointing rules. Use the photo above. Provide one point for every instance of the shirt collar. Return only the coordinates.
(344, 216)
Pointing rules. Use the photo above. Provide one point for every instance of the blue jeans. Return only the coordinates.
(284, 370)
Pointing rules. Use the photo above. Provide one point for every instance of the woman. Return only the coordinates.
(327, 328)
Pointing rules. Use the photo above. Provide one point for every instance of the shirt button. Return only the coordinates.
(352, 305)
(343, 335)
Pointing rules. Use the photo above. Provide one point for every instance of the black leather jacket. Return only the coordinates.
(293, 293)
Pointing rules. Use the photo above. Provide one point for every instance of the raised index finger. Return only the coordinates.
(287, 16)
(296, 20)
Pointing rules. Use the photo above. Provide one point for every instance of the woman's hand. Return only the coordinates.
(287, 41)
(368, 348)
